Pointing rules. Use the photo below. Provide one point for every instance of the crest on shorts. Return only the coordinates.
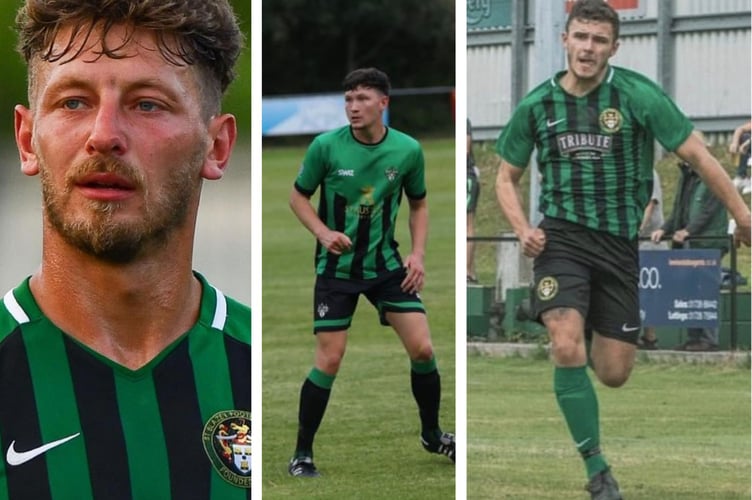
(610, 120)
(322, 309)
(548, 287)
(227, 443)
(391, 173)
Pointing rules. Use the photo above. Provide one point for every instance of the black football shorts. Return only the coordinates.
(335, 299)
(593, 272)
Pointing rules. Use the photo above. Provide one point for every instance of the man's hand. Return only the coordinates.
(656, 235)
(680, 236)
(335, 242)
(533, 241)
(742, 233)
(413, 282)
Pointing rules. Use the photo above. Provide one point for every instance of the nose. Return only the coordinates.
(106, 136)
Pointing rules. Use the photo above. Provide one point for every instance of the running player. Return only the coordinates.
(594, 126)
(362, 170)
(123, 373)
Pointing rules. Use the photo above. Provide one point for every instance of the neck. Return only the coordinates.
(579, 87)
(128, 312)
(370, 135)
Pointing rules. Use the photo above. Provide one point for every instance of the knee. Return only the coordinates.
(423, 352)
(568, 351)
(612, 377)
(329, 360)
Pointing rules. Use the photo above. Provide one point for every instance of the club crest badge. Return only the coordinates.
(322, 309)
(227, 442)
(610, 120)
(391, 173)
(548, 287)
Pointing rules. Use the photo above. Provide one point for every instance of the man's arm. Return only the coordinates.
(418, 223)
(648, 213)
(694, 152)
(533, 240)
(334, 241)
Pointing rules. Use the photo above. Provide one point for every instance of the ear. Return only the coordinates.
(614, 48)
(222, 133)
(23, 120)
(384, 102)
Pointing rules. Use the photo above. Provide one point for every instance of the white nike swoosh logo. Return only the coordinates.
(627, 329)
(550, 124)
(14, 457)
(582, 443)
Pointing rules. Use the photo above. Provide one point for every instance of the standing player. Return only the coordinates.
(594, 126)
(363, 170)
(123, 373)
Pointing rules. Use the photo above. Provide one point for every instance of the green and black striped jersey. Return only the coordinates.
(361, 190)
(76, 426)
(595, 152)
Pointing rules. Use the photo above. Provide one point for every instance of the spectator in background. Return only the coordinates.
(696, 212)
(473, 191)
(740, 145)
(652, 220)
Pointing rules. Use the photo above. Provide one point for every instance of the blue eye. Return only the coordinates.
(147, 106)
(72, 104)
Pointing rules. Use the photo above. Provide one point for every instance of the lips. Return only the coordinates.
(105, 186)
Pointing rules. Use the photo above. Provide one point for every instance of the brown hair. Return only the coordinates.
(594, 10)
(367, 77)
(204, 33)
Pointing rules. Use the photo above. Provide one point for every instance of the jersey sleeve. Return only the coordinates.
(659, 114)
(517, 141)
(313, 169)
(415, 180)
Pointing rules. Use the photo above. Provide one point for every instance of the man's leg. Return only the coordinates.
(572, 385)
(314, 396)
(425, 381)
(613, 359)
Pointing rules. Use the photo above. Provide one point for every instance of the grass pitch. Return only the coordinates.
(674, 431)
(367, 446)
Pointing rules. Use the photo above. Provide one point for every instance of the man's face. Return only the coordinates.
(364, 106)
(119, 145)
(589, 46)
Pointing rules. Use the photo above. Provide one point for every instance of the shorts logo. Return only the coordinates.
(322, 309)
(227, 443)
(610, 120)
(391, 173)
(548, 287)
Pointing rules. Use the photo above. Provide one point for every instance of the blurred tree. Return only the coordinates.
(309, 45)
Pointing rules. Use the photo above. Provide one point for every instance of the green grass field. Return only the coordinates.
(674, 431)
(367, 446)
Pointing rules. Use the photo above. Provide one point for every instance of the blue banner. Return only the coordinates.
(304, 114)
(680, 288)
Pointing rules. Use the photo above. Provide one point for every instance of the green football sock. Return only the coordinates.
(579, 405)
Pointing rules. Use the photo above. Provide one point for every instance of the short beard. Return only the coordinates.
(100, 234)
